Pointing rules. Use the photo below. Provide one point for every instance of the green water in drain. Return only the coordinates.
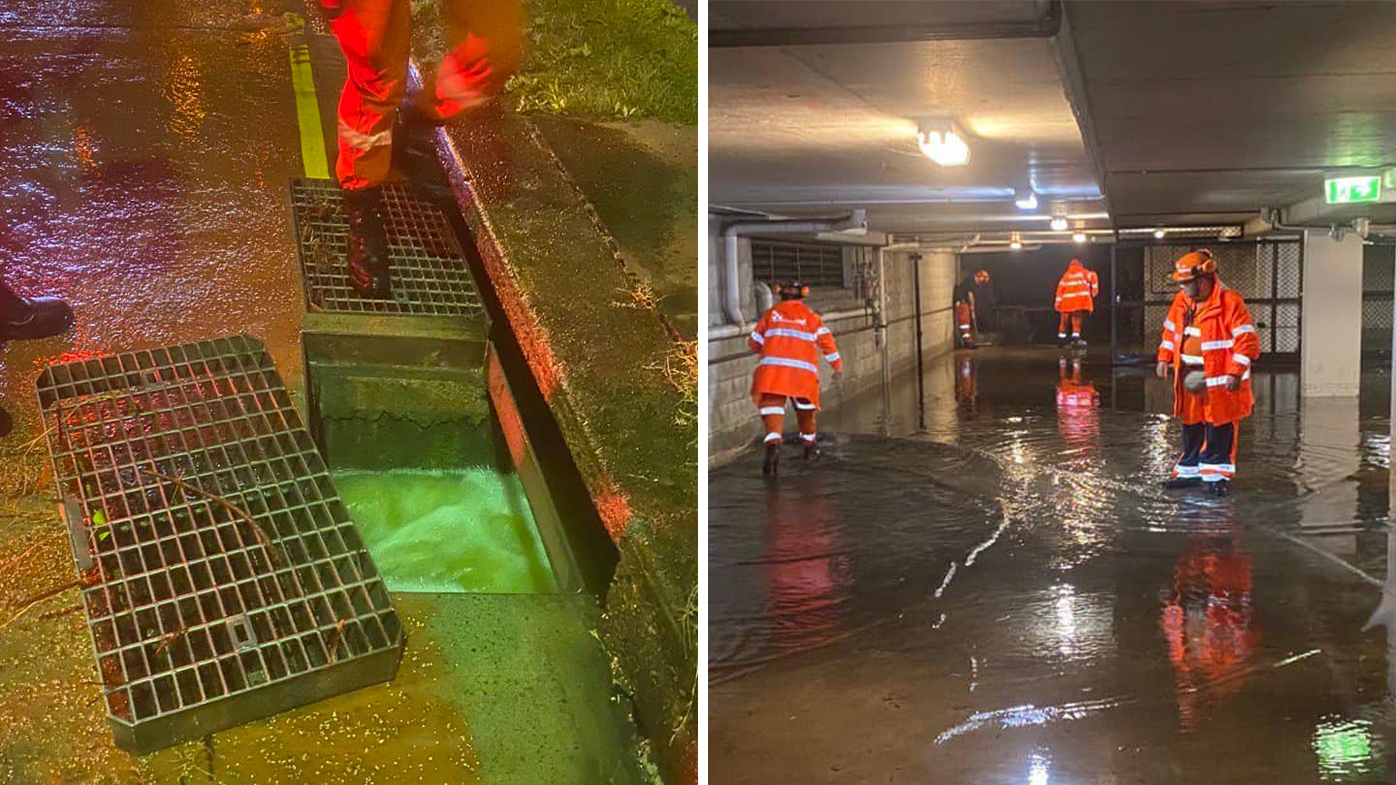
(448, 531)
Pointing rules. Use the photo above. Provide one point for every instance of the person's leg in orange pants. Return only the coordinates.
(1076, 317)
(805, 412)
(485, 44)
(772, 409)
(1061, 327)
(375, 36)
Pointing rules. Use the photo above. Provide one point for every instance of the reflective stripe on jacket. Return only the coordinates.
(1077, 289)
(790, 339)
(1229, 344)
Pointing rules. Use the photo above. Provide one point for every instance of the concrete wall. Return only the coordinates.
(732, 419)
(1331, 343)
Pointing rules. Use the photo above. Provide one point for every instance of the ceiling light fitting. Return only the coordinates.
(943, 143)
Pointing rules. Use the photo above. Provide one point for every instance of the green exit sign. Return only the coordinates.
(1347, 190)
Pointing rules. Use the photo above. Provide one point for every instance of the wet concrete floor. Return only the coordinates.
(990, 587)
(147, 149)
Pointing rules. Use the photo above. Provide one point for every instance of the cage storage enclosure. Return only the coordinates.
(222, 578)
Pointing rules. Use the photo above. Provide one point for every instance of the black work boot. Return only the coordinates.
(1178, 483)
(771, 466)
(23, 319)
(414, 149)
(812, 452)
(368, 244)
(1219, 488)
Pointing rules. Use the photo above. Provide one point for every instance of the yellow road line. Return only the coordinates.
(308, 109)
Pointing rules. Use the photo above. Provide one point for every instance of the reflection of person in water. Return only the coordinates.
(1077, 402)
(802, 571)
(965, 388)
(1208, 622)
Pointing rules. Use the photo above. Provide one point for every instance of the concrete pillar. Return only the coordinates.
(1331, 315)
(1327, 462)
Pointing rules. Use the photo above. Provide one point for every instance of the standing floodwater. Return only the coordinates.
(1000, 591)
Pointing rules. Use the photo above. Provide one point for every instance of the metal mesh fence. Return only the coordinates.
(429, 271)
(1269, 275)
(1378, 282)
(215, 556)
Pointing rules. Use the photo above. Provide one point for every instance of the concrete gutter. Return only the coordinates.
(599, 359)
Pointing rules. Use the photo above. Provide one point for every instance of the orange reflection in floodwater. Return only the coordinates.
(1209, 623)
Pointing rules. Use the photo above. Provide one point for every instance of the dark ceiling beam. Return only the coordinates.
(1044, 26)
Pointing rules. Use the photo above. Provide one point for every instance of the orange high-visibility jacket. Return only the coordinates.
(790, 337)
(1228, 342)
(1077, 289)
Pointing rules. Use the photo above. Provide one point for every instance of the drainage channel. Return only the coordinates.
(403, 407)
(236, 560)
(451, 465)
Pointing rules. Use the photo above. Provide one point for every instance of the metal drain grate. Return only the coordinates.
(429, 271)
(222, 577)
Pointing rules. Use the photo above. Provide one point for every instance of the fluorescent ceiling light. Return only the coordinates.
(1059, 224)
(1015, 245)
(1158, 234)
(945, 146)
(1028, 202)
(1079, 237)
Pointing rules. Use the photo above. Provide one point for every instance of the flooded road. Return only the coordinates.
(992, 588)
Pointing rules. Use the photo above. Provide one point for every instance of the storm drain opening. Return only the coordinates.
(222, 577)
(429, 271)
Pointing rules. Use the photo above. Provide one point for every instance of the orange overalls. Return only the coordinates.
(1076, 293)
(485, 42)
(790, 337)
(1215, 336)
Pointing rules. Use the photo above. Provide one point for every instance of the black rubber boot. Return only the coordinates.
(812, 452)
(771, 466)
(1178, 483)
(414, 149)
(40, 317)
(1219, 488)
(367, 253)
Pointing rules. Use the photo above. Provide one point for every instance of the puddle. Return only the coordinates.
(448, 531)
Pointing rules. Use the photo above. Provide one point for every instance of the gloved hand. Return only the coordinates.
(838, 377)
(1233, 383)
(1162, 369)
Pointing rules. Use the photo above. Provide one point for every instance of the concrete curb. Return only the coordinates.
(599, 362)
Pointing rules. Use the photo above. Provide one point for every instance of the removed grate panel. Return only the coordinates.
(222, 578)
(429, 272)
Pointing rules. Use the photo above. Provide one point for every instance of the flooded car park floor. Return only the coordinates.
(992, 588)
(148, 148)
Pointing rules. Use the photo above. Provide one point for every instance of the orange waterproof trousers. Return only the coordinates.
(1075, 318)
(773, 416)
(484, 45)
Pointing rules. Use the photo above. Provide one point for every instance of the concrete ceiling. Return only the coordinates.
(1187, 113)
(1223, 108)
(801, 129)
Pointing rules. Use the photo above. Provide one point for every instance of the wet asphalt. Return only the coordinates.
(981, 582)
